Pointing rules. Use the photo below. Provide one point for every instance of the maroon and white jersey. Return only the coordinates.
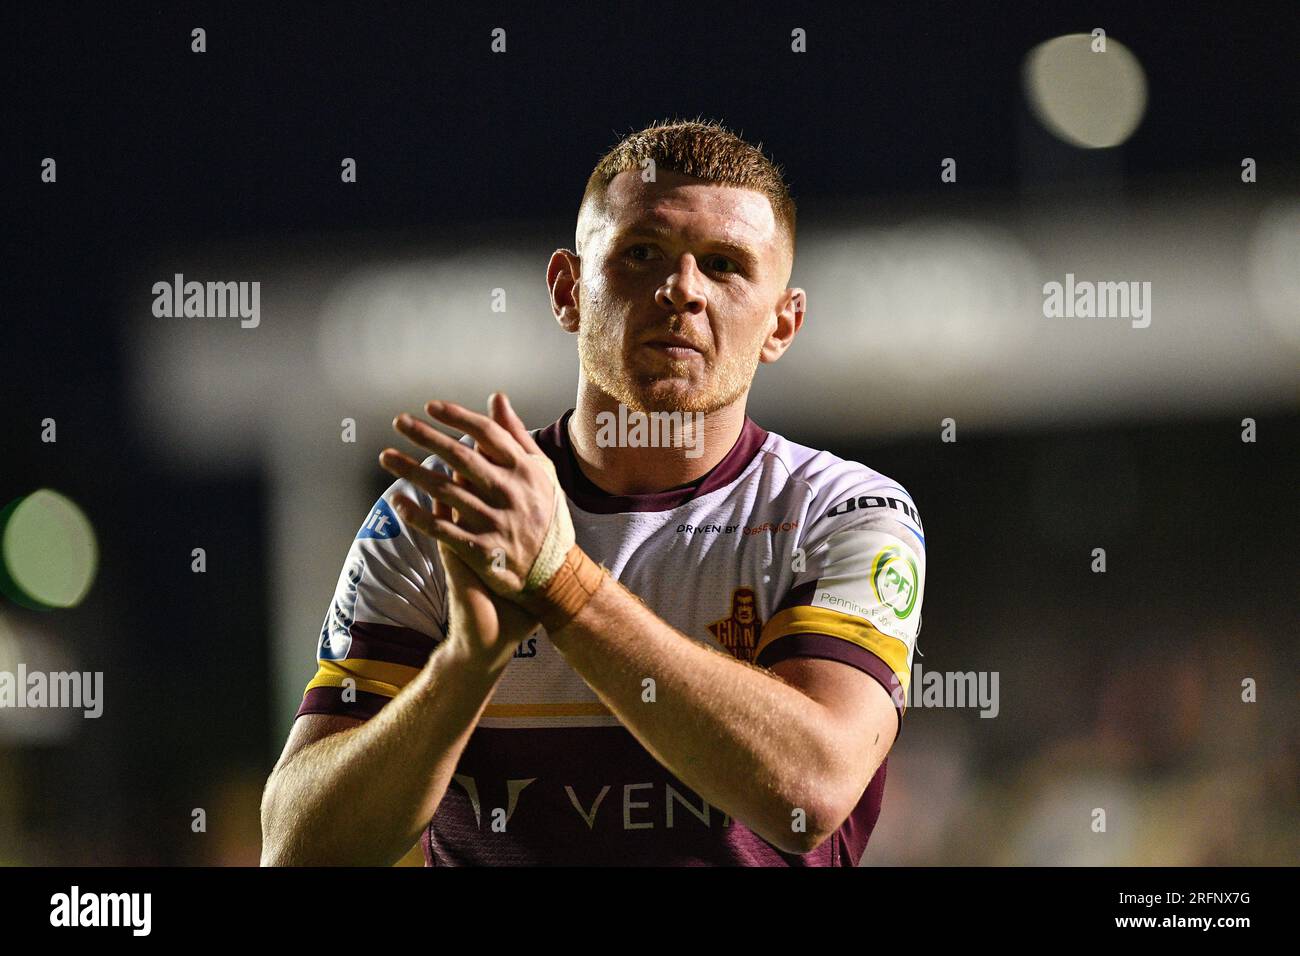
(779, 551)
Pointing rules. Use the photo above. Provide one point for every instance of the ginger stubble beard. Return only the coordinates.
(600, 354)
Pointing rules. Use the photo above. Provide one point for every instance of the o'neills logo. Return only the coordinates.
(738, 631)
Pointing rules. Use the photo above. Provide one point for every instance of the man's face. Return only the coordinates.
(681, 281)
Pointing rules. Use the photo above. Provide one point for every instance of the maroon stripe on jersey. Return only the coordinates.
(389, 643)
(856, 830)
(554, 441)
(594, 796)
(329, 700)
(829, 648)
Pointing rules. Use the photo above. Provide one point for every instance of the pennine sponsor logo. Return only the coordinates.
(633, 429)
(75, 908)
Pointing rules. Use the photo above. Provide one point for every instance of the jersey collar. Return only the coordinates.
(587, 495)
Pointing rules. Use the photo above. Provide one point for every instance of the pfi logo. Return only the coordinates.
(894, 580)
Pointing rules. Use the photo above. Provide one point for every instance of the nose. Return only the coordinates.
(682, 291)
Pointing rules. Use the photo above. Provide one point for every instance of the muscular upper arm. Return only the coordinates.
(863, 717)
(310, 728)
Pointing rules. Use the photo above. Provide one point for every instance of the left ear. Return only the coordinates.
(789, 319)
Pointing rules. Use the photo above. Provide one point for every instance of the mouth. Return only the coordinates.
(674, 347)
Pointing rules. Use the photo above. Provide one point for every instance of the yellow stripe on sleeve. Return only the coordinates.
(805, 619)
(375, 677)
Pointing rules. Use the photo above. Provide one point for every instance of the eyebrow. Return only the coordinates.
(743, 253)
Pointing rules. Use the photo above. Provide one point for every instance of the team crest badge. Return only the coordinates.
(738, 631)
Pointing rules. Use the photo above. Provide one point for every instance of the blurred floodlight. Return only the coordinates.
(48, 549)
(926, 300)
(406, 328)
(1275, 268)
(1087, 98)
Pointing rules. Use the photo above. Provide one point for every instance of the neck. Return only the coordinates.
(622, 468)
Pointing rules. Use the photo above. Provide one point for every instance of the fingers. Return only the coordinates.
(483, 474)
(453, 536)
(495, 442)
(505, 416)
(445, 491)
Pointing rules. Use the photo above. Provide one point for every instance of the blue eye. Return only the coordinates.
(722, 264)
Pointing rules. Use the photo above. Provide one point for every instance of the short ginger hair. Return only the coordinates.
(706, 150)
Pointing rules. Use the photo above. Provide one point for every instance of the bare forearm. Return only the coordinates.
(747, 742)
(361, 797)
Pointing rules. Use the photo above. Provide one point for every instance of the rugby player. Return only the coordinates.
(570, 645)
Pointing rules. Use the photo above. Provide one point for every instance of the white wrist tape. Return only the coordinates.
(559, 536)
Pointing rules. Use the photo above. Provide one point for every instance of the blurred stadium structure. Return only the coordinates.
(1120, 690)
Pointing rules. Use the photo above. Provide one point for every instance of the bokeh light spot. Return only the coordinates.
(48, 549)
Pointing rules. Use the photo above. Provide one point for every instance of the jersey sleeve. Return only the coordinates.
(858, 585)
(387, 615)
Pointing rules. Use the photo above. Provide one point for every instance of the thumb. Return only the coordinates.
(459, 574)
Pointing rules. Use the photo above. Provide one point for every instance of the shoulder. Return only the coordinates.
(842, 491)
